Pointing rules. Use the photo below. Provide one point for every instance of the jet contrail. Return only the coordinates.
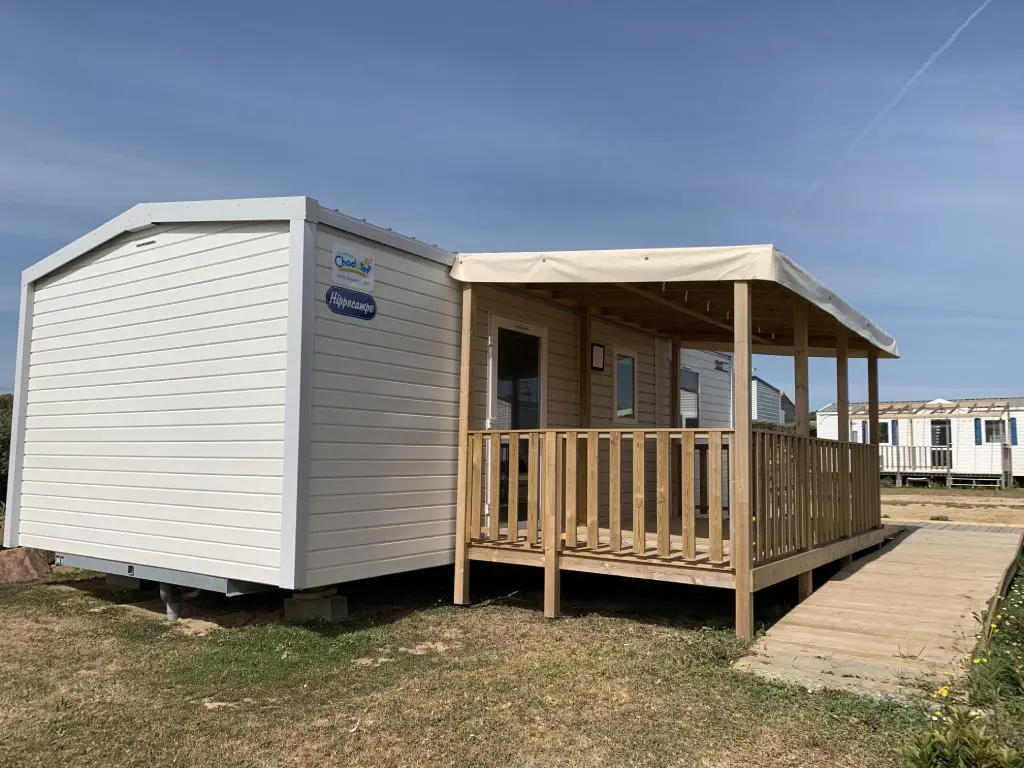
(879, 117)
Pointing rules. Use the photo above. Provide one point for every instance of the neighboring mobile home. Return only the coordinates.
(229, 394)
(705, 388)
(957, 442)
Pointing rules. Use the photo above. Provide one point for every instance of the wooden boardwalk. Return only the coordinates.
(894, 621)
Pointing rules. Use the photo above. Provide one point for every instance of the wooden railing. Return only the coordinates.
(809, 492)
(905, 459)
(663, 494)
(660, 493)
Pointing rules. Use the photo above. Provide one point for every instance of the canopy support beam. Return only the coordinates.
(668, 303)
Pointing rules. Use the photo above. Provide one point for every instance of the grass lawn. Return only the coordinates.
(413, 681)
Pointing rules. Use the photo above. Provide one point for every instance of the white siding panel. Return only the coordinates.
(155, 406)
(384, 429)
(155, 552)
(164, 513)
(261, 300)
(828, 425)
(167, 388)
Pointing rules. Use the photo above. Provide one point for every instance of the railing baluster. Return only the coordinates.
(639, 505)
(794, 494)
(664, 531)
(493, 485)
(532, 488)
(476, 482)
(513, 487)
(689, 511)
(571, 451)
(593, 531)
(615, 492)
(715, 548)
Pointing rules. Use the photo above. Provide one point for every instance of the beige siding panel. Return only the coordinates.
(342, 504)
(562, 325)
(644, 346)
(380, 560)
(384, 429)
(155, 405)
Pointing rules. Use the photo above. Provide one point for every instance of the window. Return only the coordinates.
(625, 386)
(995, 431)
(883, 432)
(689, 398)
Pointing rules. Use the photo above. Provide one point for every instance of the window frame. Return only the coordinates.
(1001, 438)
(494, 323)
(618, 352)
(883, 432)
(682, 419)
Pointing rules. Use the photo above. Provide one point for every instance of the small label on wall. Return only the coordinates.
(352, 271)
(721, 365)
(342, 301)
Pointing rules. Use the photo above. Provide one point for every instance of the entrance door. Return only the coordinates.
(941, 442)
(517, 396)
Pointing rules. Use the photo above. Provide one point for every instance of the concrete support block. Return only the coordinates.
(122, 582)
(315, 605)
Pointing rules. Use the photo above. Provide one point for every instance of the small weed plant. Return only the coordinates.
(961, 740)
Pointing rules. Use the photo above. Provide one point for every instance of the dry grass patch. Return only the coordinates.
(495, 685)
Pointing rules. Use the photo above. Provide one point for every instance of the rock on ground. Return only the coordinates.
(21, 565)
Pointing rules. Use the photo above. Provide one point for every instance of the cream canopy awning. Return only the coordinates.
(693, 280)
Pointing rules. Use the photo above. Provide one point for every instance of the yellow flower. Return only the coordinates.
(943, 691)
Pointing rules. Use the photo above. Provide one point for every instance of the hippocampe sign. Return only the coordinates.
(342, 301)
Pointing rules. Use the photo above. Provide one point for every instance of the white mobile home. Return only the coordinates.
(229, 394)
(960, 442)
(766, 400)
(195, 379)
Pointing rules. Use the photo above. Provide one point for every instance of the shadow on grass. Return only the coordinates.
(384, 600)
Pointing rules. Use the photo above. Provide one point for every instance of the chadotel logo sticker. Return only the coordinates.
(351, 303)
(352, 271)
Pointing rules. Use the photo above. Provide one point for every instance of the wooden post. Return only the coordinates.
(803, 432)
(585, 410)
(676, 423)
(552, 534)
(876, 486)
(462, 486)
(873, 397)
(741, 443)
(843, 414)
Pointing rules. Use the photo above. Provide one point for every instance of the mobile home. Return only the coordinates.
(956, 442)
(229, 394)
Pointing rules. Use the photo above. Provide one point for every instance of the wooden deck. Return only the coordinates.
(896, 620)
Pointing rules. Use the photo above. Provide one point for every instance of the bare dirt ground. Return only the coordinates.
(988, 507)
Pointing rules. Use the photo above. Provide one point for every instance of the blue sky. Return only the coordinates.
(528, 125)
